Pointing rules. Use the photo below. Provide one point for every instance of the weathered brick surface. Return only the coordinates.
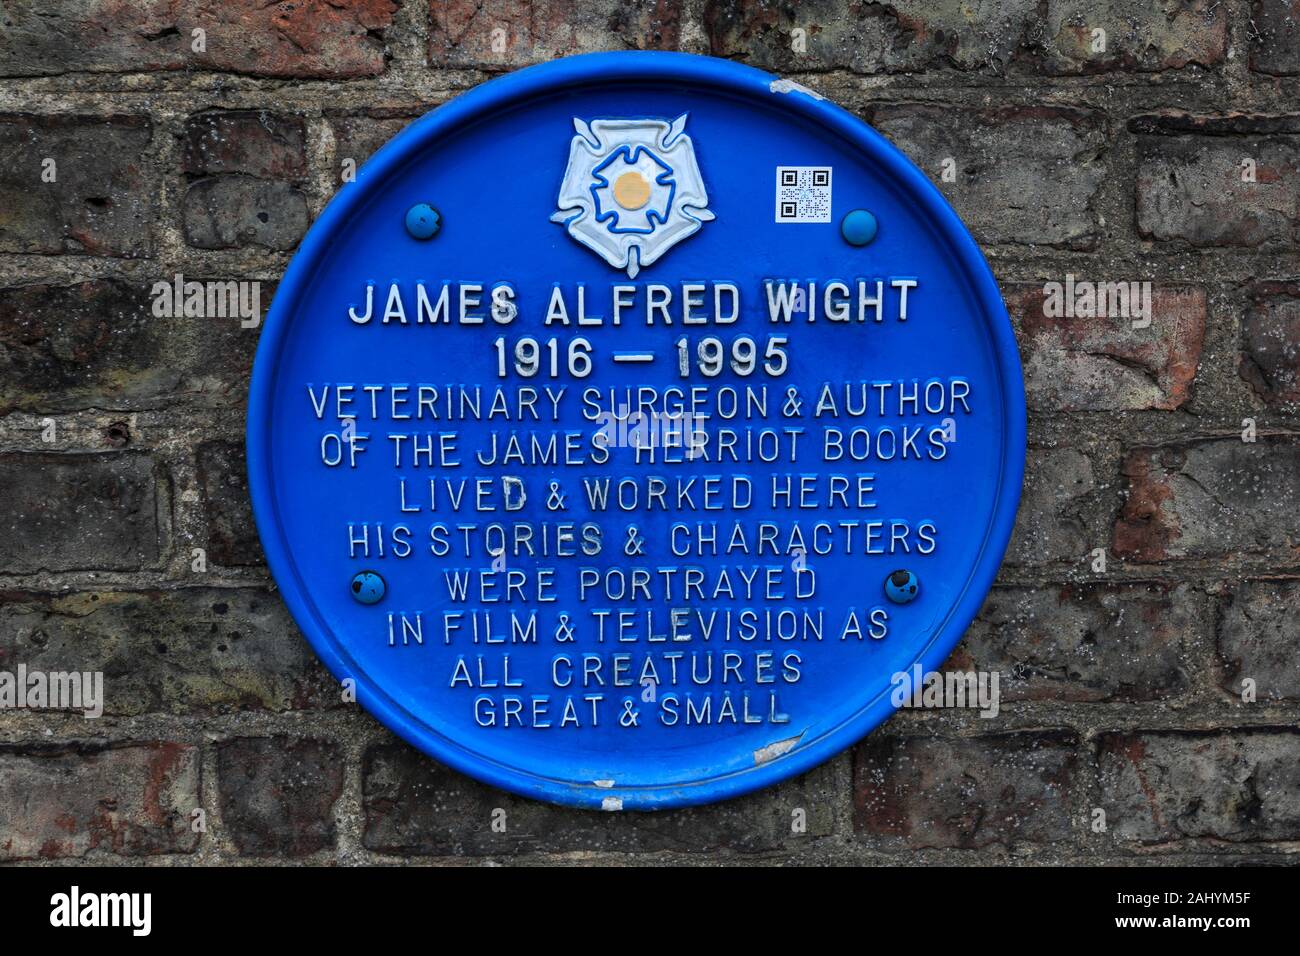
(230, 212)
(63, 512)
(1144, 35)
(95, 199)
(1092, 642)
(75, 800)
(1275, 39)
(358, 136)
(511, 33)
(100, 344)
(193, 650)
(223, 477)
(305, 38)
(1259, 639)
(1192, 184)
(1238, 786)
(1009, 36)
(256, 142)
(221, 350)
(278, 794)
(414, 805)
(66, 345)
(249, 163)
(1211, 497)
(1051, 524)
(1024, 175)
(1270, 344)
(1109, 362)
(1000, 789)
(866, 37)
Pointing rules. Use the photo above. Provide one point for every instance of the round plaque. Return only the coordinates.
(636, 430)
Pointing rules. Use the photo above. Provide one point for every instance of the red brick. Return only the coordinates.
(70, 800)
(255, 142)
(921, 792)
(510, 33)
(294, 38)
(1211, 498)
(1101, 363)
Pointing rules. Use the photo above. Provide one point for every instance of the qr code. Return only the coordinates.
(803, 194)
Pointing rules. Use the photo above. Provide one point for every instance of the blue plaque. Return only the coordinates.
(627, 427)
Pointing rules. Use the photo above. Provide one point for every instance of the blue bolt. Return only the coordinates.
(858, 228)
(368, 587)
(902, 587)
(423, 221)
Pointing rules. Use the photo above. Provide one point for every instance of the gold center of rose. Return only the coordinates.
(631, 190)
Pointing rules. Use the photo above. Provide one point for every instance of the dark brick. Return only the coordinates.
(919, 792)
(223, 478)
(1211, 497)
(223, 352)
(1228, 124)
(1270, 344)
(1259, 638)
(1140, 35)
(66, 346)
(1095, 642)
(278, 794)
(415, 806)
(1275, 37)
(1051, 524)
(100, 203)
(100, 344)
(1190, 186)
(233, 212)
(82, 511)
(256, 142)
(1087, 363)
(358, 137)
(1238, 786)
(510, 33)
(1025, 175)
(251, 160)
(195, 650)
(70, 800)
(302, 38)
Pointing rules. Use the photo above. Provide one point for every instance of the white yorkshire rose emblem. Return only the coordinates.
(632, 190)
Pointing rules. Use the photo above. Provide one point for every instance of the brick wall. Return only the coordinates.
(121, 433)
